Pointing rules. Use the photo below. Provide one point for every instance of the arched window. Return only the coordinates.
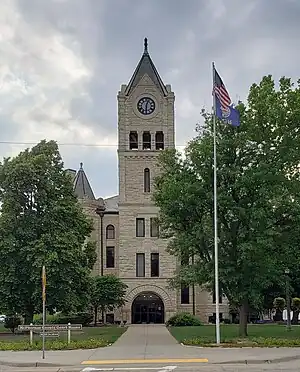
(110, 232)
(133, 140)
(146, 180)
(146, 141)
(159, 140)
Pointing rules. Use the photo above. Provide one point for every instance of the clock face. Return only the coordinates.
(146, 106)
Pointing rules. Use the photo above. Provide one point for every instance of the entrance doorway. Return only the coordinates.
(147, 308)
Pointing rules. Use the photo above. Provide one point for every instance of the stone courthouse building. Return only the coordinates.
(126, 228)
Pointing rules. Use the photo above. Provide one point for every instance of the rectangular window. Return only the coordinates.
(159, 141)
(146, 141)
(140, 264)
(154, 264)
(140, 227)
(184, 260)
(133, 140)
(220, 297)
(154, 228)
(146, 180)
(185, 295)
(110, 257)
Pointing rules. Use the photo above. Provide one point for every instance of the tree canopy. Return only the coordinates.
(258, 197)
(108, 293)
(42, 223)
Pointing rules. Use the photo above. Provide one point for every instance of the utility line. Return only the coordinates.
(67, 144)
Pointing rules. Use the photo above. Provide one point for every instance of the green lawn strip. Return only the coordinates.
(89, 338)
(258, 335)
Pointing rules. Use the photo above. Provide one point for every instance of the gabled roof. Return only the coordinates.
(145, 66)
(82, 187)
(112, 203)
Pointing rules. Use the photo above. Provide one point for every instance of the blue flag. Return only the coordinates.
(230, 115)
(224, 108)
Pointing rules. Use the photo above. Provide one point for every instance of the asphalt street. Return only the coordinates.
(291, 367)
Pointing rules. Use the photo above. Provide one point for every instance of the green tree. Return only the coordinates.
(258, 198)
(42, 223)
(108, 293)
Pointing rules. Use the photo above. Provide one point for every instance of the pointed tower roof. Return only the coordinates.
(82, 187)
(146, 66)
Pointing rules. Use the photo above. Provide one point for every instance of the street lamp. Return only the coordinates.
(100, 210)
(288, 298)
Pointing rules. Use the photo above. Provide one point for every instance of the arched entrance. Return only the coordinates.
(147, 308)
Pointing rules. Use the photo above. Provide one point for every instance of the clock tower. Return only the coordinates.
(145, 128)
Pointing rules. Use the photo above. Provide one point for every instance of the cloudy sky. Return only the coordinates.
(63, 61)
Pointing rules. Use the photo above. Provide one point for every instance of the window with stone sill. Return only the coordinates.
(110, 232)
(140, 264)
(154, 265)
(159, 140)
(140, 227)
(133, 140)
(146, 141)
(146, 180)
(185, 295)
(110, 257)
(214, 297)
(154, 228)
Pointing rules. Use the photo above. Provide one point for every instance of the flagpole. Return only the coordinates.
(216, 217)
(44, 307)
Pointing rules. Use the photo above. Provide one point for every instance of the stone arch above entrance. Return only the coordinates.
(147, 308)
(150, 288)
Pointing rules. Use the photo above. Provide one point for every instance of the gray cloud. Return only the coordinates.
(63, 61)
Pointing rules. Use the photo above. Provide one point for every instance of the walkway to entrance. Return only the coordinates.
(147, 308)
(143, 341)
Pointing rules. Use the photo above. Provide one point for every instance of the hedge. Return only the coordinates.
(53, 345)
(253, 342)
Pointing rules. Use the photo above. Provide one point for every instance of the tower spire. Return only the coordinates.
(146, 66)
(145, 46)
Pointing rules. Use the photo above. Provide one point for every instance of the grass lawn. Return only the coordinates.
(264, 335)
(109, 334)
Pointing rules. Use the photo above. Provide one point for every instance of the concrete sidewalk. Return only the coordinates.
(148, 344)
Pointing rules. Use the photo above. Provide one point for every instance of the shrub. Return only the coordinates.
(227, 321)
(183, 320)
(78, 318)
(12, 322)
(50, 319)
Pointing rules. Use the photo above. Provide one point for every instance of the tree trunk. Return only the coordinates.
(96, 315)
(29, 316)
(295, 319)
(243, 319)
(102, 315)
(278, 317)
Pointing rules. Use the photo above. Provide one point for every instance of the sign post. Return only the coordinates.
(44, 306)
(50, 330)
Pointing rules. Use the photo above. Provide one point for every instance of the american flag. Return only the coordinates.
(220, 91)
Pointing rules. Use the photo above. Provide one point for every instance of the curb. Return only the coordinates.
(262, 361)
(34, 364)
(248, 361)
